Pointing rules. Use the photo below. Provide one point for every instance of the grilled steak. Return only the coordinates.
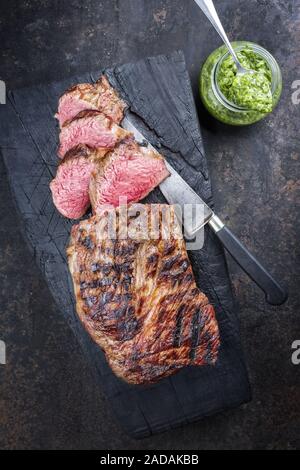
(90, 96)
(91, 128)
(84, 170)
(138, 299)
(130, 171)
(70, 187)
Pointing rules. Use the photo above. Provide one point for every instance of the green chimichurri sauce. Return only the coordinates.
(251, 91)
(235, 99)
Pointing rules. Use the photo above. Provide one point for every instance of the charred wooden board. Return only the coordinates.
(161, 102)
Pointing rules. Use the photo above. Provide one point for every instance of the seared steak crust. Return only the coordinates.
(138, 299)
(93, 96)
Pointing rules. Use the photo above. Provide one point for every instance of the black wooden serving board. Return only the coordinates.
(159, 94)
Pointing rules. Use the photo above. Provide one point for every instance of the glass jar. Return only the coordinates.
(217, 104)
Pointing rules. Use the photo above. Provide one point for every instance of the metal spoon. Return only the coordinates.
(209, 10)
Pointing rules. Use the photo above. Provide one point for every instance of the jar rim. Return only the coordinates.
(238, 46)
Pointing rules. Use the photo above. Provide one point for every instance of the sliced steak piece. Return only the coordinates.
(138, 299)
(70, 187)
(90, 96)
(91, 128)
(130, 171)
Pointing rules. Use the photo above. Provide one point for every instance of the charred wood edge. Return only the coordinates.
(119, 393)
(178, 56)
(85, 340)
(43, 261)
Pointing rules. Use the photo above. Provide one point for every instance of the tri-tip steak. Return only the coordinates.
(99, 96)
(70, 187)
(137, 296)
(91, 128)
(130, 171)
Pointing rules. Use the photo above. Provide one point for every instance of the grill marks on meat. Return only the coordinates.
(130, 171)
(70, 187)
(91, 128)
(138, 298)
(99, 96)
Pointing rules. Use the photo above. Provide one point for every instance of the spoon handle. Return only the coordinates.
(209, 10)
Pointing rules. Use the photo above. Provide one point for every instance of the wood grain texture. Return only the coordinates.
(161, 102)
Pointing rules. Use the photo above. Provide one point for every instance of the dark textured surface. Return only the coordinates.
(48, 397)
(29, 138)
